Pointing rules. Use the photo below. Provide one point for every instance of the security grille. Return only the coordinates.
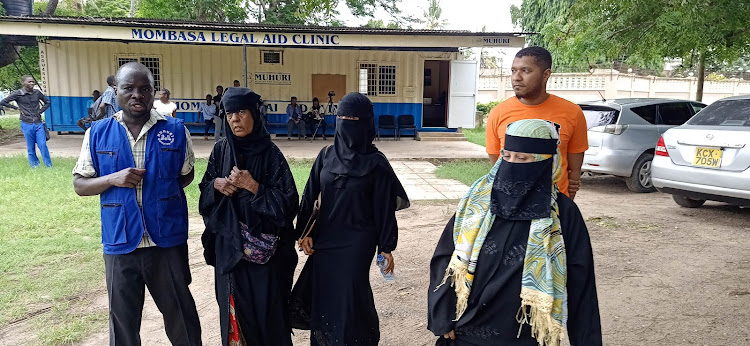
(153, 63)
(271, 57)
(377, 80)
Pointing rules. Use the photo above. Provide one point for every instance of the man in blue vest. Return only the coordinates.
(139, 162)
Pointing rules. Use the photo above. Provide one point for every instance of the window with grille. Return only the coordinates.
(377, 79)
(271, 57)
(151, 62)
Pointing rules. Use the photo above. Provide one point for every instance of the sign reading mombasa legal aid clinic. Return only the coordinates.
(234, 37)
(418, 73)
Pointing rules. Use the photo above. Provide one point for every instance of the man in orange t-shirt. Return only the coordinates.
(531, 69)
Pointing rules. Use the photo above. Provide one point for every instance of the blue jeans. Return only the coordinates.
(34, 134)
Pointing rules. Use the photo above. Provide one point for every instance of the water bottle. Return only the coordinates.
(382, 263)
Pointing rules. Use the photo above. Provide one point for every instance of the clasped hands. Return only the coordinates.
(237, 179)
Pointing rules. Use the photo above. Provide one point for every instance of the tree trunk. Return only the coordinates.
(132, 8)
(51, 8)
(701, 77)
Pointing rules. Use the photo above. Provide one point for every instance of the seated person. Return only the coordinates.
(294, 119)
(316, 121)
(93, 111)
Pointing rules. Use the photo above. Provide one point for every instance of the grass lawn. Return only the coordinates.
(50, 247)
(10, 124)
(465, 171)
(475, 136)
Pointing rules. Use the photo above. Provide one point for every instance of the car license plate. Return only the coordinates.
(707, 157)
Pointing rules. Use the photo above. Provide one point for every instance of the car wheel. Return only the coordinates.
(640, 179)
(688, 202)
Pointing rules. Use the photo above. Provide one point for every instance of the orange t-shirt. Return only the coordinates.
(573, 129)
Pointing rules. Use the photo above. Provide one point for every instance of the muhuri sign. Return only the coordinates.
(235, 37)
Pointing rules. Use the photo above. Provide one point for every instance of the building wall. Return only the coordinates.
(579, 87)
(76, 68)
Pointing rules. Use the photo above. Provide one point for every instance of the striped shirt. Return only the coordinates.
(85, 164)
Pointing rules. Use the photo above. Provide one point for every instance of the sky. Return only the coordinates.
(469, 15)
(461, 14)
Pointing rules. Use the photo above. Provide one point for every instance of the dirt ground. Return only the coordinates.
(665, 275)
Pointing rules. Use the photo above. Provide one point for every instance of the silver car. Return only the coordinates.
(708, 157)
(623, 133)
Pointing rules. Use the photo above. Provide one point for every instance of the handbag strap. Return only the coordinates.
(316, 210)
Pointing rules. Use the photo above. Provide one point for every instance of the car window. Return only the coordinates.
(724, 113)
(599, 115)
(676, 113)
(648, 113)
(697, 107)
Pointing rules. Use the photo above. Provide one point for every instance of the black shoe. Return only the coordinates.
(289, 138)
(324, 138)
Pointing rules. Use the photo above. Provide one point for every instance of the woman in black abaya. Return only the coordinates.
(360, 195)
(248, 202)
(501, 273)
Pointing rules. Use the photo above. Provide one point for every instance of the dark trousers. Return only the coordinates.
(312, 126)
(166, 273)
(209, 124)
(300, 125)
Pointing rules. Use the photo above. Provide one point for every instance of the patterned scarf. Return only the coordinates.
(543, 286)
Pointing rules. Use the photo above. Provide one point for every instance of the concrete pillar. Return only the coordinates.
(610, 84)
(651, 88)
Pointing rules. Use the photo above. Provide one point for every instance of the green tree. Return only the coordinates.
(199, 10)
(432, 16)
(643, 32)
(372, 23)
(10, 75)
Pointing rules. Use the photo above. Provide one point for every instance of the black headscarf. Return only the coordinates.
(354, 154)
(234, 100)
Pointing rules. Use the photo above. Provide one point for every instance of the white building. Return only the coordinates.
(404, 72)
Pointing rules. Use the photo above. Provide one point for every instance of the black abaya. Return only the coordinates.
(260, 291)
(356, 220)
(490, 318)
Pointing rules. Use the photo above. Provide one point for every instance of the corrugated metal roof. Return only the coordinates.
(249, 26)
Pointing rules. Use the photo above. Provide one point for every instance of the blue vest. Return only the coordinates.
(164, 213)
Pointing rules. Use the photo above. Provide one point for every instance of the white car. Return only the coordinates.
(708, 158)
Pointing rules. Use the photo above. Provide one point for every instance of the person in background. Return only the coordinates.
(294, 119)
(531, 69)
(92, 108)
(359, 196)
(236, 83)
(109, 106)
(139, 163)
(514, 266)
(248, 201)
(219, 120)
(163, 106)
(27, 98)
(316, 121)
(208, 111)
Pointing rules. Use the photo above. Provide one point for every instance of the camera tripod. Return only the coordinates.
(322, 116)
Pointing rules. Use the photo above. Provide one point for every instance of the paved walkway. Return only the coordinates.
(421, 183)
(407, 158)
(405, 149)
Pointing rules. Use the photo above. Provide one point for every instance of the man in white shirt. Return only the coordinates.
(208, 111)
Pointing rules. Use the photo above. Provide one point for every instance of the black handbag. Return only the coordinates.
(46, 130)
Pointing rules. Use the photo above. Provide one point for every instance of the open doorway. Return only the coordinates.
(435, 93)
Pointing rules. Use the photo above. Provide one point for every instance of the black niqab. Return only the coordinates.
(354, 154)
(521, 191)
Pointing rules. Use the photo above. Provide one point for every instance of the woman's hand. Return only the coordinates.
(451, 335)
(391, 265)
(243, 179)
(225, 187)
(307, 245)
